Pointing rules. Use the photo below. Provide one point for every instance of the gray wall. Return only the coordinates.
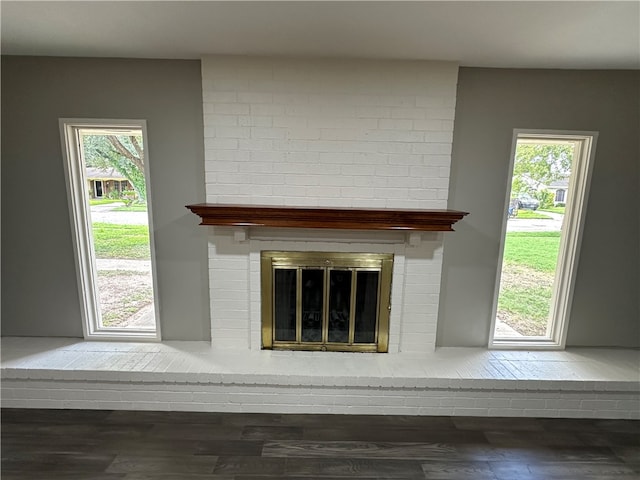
(490, 104)
(39, 293)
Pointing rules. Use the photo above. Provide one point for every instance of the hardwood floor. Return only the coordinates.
(133, 445)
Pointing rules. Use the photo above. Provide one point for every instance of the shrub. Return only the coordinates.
(129, 197)
(545, 197)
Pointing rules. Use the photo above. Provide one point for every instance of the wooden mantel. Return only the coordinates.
(319, 217)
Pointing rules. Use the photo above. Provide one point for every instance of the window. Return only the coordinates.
(113, 240)
(541, 239)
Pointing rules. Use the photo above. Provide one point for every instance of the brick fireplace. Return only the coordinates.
(326, 133)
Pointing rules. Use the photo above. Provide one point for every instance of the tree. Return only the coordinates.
(537, 165)
(124, 153)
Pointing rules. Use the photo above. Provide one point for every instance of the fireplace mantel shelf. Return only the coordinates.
(331, 218)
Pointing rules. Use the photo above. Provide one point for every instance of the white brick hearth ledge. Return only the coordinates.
(71, 373)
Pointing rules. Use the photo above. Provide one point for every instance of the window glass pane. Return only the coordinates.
(532, 241)
(312, 295)
(120, 230)
(285, 305)
(366, 307)
(339, 305)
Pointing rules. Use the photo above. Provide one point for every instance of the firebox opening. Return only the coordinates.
(326, 301)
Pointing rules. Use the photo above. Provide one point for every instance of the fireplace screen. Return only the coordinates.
(326, 301)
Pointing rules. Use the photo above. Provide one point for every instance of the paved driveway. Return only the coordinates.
(553, 224)
(106, 214)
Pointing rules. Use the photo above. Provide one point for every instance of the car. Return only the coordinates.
(527, 202)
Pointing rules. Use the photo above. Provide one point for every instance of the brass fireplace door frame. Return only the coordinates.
(272, 260)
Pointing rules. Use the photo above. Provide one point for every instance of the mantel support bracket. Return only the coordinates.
(414, 239)
(240, 234)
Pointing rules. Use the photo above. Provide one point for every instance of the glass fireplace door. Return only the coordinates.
(324, 301)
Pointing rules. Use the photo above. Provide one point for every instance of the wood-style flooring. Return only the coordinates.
(135, 445)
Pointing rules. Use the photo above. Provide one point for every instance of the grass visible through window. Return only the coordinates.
(102, 201)
(529, 214)
(537, 250)
(527, 280)
(113, 240)
(554, 210)
(136, 207)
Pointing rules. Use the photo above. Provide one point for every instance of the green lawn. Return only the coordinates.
(554, 210)
(136, 207)
(103, 201)
(532, 303)
(536, 250)
(532, 215)
(526, 288)
(121, 241)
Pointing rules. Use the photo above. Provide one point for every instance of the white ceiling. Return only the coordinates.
(560, 34)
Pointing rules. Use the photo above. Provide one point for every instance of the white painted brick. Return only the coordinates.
(395, 100)
(394, 147)
(395, 124)
(209, 96)
(432, 148)
(254, 145)
(409, 160)
(255, 97)
(335, 133)
(369, 181)
(231, 132)
(44, 403)
(409, 113)
(268, 133)
(395, 136)
(340, 181)
(433, 101)
(392, 170)
(229, 109)
(373, 112)
(290, 98)
(528, 404)
(439, 137)
(269, 110)
(422, 172)
(219, 144)
(391, 193)
(352, 124)
(436, 183)
(221, 120)
(422, 194)
(442, 113)
(255, 121)
(629, 404)
(598, 404)
(343, 134)
(368, 203)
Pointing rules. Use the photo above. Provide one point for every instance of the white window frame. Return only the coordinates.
(577, 194)
(82, 233)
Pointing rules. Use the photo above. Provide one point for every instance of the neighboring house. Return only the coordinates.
(560, 189)
(103, 181)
